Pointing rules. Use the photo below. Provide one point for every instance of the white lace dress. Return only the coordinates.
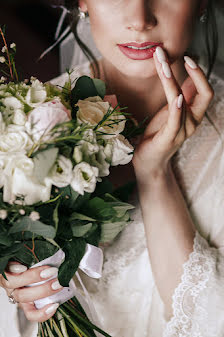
(126, 298)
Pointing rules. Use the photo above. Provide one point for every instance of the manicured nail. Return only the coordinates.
(17, 268)
(166, 69)
(49, 272)
(56, 285)
(52, 308)
(190, 62)
(180, 101)
(160, 54)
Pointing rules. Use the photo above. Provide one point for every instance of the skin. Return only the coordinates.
(144, 88)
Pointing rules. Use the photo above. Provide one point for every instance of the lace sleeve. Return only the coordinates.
(198, 309)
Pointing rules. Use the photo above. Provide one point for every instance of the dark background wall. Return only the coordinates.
(31, 24)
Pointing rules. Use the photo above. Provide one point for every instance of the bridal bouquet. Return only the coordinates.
(57, 145)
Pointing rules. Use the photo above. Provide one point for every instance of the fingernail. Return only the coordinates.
(49, 272)
(166, 69)
(56, 285)
(160, 54)
(17, 268)
(52, 308)
(190, 62)
(180, 101)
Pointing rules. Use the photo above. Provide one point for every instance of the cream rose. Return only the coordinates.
(84, 178)
(93, 109)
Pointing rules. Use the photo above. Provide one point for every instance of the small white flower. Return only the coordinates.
(2, 59)
(84, 178)
(61, 174)
(3, 79)
(34, 216)
(118, 151)
(12, 45)
(4, 49)
(19, 117)
(3, 214)
(22, 212)
(36, 94)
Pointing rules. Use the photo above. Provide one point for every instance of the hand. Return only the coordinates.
(18, 278)
(175, 122)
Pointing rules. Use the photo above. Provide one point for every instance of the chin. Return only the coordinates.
(138, 69)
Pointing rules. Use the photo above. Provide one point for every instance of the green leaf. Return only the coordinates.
(100, 87)
(5, 240)
(80, 231)
(43, 162)
(3, 263)
(37, 227)
(74, 251)
(84, 88)
(109, 231)
(99, 209)
(79, 216)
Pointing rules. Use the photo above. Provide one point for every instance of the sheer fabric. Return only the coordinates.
(126, 298)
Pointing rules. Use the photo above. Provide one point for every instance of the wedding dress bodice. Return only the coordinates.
(126, 298)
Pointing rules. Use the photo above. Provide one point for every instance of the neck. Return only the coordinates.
(143, 96)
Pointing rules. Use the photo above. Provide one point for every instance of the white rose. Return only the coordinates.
(44, 117)
(19, 181)
(36, 94)
(118, 151)
(92, 110)
(61, 174)
(15, 139)
(84, 178)
(12, 103)
(19, 117)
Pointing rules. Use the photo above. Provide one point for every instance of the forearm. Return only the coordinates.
(169, 231)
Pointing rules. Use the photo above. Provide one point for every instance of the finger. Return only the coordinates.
(170, 85)
(189, 90)
(176, 120)
(38, 315)
(16, 267)
(30, 276)
(30, 294)
(204, 91)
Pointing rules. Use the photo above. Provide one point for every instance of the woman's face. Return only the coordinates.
(121, 27)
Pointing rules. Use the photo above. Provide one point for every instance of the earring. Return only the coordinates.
(204, 16)
(82, 15)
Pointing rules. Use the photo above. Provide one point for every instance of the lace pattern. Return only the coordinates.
(189, 311)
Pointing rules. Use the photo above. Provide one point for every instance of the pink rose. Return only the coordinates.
(43, 118)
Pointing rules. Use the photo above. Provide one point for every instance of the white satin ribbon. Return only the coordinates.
(91, 264)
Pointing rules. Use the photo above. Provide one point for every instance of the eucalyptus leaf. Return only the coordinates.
(74, 251)
(99, 209)
(80, 231)
(43, 162)
(37, 227)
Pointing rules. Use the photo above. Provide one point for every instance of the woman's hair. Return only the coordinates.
(209, 28)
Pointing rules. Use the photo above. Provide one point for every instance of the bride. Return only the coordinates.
(164, 275)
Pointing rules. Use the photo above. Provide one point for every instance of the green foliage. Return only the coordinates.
(74, 251)
(87, 87)
(36, 227)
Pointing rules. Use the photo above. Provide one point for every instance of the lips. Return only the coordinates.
(139, 51)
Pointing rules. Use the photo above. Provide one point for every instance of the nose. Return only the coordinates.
(139, 16)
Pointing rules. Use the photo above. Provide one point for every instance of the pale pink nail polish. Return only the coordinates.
(190, 62)
(52, 308)
(166, 69)
(180, 101)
